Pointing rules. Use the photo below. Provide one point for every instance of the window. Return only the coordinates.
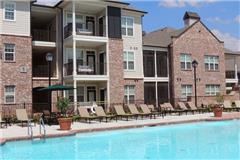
(80, 94)
(128, 60)
(9, 52)
(212, 89)
(9, 94)
(9, 11)
(211, 63)
(186, 61)
(129, 94)
(127, 26)
(186, 91)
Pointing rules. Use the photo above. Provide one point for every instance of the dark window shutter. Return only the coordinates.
(114, 22)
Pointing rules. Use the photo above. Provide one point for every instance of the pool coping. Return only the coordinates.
(87, 130)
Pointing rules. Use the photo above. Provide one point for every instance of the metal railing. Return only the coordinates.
(86, 68)
(230, 74)
(81, 29)
(43, 35)
(30, 130)
(42, 126)
(42, 71)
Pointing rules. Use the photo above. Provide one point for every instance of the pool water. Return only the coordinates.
(203, 140)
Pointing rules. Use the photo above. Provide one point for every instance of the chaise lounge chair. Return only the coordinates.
(1, 121)
(195, 108)
(133, 109)
(84, 114)
(170, 109)
(121, 113)
(22, 116)
(237, 105)
(227, 106)
(183, 107)
(145, 109)
(101, 113)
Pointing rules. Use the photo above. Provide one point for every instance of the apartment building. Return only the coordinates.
(96, 48)
(16, 53)
(178, 48)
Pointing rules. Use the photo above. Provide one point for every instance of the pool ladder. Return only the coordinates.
(42, 126)
(30, 130)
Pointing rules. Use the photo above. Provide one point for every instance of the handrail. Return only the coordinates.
(30, 130)
(42, 125)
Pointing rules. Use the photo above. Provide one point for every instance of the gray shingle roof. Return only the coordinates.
(161, 37)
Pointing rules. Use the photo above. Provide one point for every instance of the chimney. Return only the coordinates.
(190, 18)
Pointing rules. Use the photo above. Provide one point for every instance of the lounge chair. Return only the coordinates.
(183, 107)
(133, 109)
(84, 114)
(121, 113)
(1, 121)
(145, 109)
(237, 105)
(227, 106)
(22, 116)
(169, 109)
(195, 108)
(101, 113)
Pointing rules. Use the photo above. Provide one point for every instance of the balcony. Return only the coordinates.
(85, 68)
(89, 31)
(42, 71)
(43, 35)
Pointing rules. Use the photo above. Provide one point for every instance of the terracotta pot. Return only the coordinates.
(65, 123)
(217, 111)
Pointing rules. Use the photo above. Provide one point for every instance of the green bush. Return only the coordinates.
(63, 105)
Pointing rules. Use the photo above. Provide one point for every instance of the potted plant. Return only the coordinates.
(64, 121)
(218, 109)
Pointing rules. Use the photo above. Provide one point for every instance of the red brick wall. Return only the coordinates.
(10, 71)
(116, 81)
(197, 41)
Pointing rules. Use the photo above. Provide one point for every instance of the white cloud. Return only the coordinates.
(183, 3)
(218, 20)
(230, 42)
(237, 19)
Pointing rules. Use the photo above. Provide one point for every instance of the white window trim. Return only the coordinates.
(11, 20)
(128, 95)
(14, 94)
(209, 63)
(213, 88)
(185, 61)
(9, 52)
(185, 86)
(134, 60)
(127, 27)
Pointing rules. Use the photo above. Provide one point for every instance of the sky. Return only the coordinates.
(221, 17)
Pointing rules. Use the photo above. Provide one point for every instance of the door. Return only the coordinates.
(91, 62)
(102, 63)
(101, 26)
(91, 94)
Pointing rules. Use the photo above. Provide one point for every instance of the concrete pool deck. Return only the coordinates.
(15, 132)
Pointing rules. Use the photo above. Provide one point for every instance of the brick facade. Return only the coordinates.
(116, 81)
(139, 88)
(198, 42)
(11, 73)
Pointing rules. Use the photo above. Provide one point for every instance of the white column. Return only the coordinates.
(74, 58)
(236, 73)
(155, 63)
(75, 95)
(156, 93)
(73, 19)
(106, 21)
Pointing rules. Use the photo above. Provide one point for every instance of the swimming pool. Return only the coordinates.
(203, 140)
